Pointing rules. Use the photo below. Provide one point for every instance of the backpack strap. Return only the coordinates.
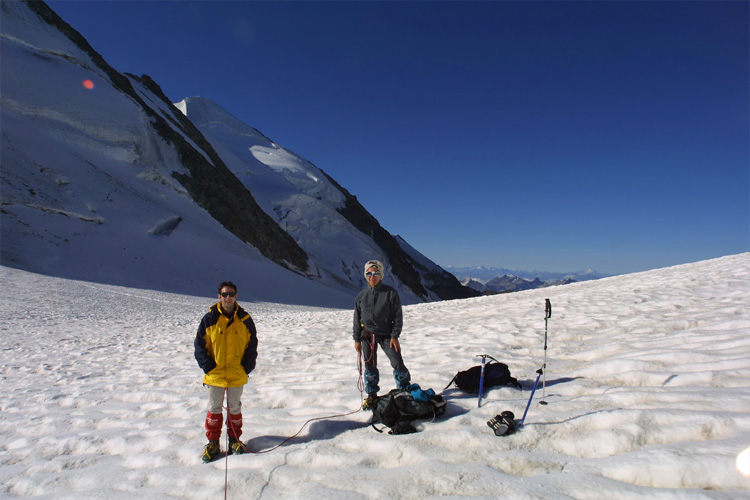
(403, 427)
(372, 423)
(451, 382)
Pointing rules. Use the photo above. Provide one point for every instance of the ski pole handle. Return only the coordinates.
(547, 309)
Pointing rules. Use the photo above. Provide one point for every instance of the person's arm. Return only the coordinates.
(202, 356)
(250, 355)
(397, 323)
(357, 326)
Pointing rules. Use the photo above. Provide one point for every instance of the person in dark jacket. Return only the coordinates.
(226, 347)
(378, 321)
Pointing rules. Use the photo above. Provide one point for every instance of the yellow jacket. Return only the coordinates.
(226, 347)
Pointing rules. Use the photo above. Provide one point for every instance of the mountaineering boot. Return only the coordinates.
(236, 447)
(369, 403)
(210, 452)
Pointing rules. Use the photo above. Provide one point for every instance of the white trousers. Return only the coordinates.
(216, 399)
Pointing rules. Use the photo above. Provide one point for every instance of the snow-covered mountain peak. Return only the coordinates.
(131, 190)
(249, 154)
(208, 115)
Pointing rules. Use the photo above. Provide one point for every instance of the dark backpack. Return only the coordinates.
(398, 409)
(495, 373)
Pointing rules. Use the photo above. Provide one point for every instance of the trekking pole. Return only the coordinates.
(539, 371)
(547, 315)
(481, 379)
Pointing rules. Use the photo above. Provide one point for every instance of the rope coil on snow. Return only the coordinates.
(360, 387)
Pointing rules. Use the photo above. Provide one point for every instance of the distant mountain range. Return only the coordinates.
(501, 280)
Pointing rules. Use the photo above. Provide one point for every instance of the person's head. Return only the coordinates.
(227, 296)
(374, 272)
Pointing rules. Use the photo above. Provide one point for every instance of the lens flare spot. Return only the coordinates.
(743, 462)
(88, 84)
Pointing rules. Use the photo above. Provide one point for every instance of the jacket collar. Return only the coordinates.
(237, 309)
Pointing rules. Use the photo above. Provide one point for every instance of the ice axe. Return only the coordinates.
(547, 315)
(481, 378)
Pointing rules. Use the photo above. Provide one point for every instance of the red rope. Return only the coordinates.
(226, 462)
(301, 429)
(360, 387)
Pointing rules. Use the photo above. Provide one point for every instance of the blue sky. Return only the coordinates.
(557, 136)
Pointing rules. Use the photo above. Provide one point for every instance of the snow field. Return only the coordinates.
(647, 384)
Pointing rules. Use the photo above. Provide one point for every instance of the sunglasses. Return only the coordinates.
(228, 294)
(376, 273)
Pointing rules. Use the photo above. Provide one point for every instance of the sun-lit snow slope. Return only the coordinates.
(648, 391)
(294, 192)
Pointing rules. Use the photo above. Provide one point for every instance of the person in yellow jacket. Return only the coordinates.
(226, 347)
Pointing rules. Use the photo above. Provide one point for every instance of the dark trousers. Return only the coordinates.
(370, 355)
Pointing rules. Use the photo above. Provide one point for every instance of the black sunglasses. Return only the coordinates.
(376, 273)
(228, 294)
